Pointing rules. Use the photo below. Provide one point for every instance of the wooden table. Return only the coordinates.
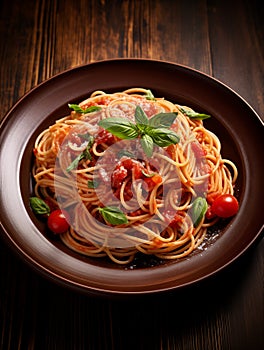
(221, 38)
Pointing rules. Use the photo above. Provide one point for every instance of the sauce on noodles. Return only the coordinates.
(121, 199)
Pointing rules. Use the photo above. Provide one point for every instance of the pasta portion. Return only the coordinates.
(135, 173)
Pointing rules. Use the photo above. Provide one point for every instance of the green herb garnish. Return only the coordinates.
(84, 155)
(162, 120)
(125, 153)
(150, 131)
(78, 109)
(163, 137)
(149, 96)
(147, 144)
(140, 116)
(113, 215)
(93, 183)
(194, 115)
(86, 136)
(199, 209)
(38, 206)
(120, 127)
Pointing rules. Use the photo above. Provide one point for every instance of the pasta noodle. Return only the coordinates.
(83, 168)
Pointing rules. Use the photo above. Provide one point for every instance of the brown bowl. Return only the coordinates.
(234, 121)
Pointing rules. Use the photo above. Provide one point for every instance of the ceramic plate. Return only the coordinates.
(233, 120)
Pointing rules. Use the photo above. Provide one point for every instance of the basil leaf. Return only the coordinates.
(86, 137)
(38, 206)
(149, 95)
(75, 162)
(112, 121)
(120, 127)
(84, 155)
(194, 115)
(91, 142)
(93, 183)
(147, 144)
(163, 137)
(162, 120)
(86, 152)
(78, 109)
(199, 209)
(140, 116)
(125, 153)
(113, 215)
(149, 134)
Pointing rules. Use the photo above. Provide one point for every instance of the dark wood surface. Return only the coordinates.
(224, 39)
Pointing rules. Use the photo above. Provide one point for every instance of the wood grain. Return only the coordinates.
(44, 37)
(54, 36)
(237, 49)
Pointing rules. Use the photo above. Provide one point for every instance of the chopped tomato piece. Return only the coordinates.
(106, 137)
(173, 218)
(156, 179)
(137, 170)
(171, 150)
(200, 136)
(118, 176)
(151, 182)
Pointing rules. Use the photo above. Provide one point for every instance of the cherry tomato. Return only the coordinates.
(209, 214)
(58, 221)
(225, 206)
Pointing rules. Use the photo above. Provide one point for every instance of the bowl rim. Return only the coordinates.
(134, 275)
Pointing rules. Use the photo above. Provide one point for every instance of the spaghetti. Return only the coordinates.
(129, 194)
